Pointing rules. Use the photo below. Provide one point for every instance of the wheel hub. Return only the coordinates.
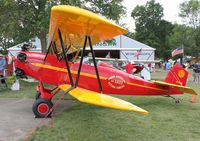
(43, 108)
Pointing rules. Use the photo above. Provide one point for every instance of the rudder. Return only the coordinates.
(177, 75)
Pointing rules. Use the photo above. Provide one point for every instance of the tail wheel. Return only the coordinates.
(41, 108)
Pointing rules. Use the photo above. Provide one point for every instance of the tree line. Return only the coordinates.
(22, 20)
(165, 36)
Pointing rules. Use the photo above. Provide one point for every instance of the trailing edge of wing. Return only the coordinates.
(181, 88)
(95, 98)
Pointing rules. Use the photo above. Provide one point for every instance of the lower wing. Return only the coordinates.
(91, 97)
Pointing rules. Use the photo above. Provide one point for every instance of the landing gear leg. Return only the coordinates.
(177, 100)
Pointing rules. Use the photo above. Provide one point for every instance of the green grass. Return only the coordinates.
(167, 121)
(27, 90)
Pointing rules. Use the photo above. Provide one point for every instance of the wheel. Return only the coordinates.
(177, 101)
(38, 94)
(41, 108)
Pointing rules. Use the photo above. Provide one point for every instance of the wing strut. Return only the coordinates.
(88, 38)
(81, 62)
(48, 51)
(95, 64)
(65, 58)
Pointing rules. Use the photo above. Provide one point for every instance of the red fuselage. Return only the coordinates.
(114, 81)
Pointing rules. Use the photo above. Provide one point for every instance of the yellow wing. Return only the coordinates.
(95, 98)
(181, 88)
(75, 23)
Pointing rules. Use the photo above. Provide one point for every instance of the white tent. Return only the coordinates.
(128, 48)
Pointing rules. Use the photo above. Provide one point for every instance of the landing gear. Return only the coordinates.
(38, 94)
(42, 105)
(42, 108)
(177, 100)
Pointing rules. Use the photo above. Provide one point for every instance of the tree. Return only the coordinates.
(30, 18)
(5, 34)
(163, 32)
(151, 29)
(190, 12)
(111, 9)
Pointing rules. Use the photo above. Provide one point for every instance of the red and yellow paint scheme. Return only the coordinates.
(113, 81)
(88, 83)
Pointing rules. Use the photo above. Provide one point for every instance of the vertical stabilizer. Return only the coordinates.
(177, 75)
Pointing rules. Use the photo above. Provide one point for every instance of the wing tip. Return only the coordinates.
(141, 111)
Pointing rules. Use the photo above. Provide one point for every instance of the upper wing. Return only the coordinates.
(95, 98)
(75, 23)
(181, 88)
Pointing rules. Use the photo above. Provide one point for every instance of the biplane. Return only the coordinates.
(71, 29)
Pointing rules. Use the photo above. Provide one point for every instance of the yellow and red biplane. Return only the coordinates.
(72, 29)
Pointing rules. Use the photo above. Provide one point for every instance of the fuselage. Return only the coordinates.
(53, 71)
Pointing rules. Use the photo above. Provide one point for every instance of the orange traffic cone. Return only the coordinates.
(193, 99)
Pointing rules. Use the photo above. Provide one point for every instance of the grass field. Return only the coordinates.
(167, 121)
(27, 90)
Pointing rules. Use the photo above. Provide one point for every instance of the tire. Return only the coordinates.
(37, 96)
(41, 108)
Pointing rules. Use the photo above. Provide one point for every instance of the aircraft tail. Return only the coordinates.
(177, 75)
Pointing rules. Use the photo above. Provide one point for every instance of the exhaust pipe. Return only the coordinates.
(22, 57)
(20, 73)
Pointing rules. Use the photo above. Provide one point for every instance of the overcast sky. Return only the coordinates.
(171, 10)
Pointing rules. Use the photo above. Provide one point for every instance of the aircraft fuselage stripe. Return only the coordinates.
(90, 75)
(143, 86)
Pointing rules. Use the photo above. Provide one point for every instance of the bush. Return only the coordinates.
(10, 80)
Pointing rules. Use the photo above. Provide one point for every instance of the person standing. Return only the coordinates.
(195, 74)
(198, 73)
(2, 68)
(129, 67)
(168, 66)
(2, 64)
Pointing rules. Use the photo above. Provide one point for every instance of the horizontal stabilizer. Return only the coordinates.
(181, 88)
(95, 98)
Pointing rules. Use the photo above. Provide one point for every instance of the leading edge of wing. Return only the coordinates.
(91, 97)
(181, 88)
(75, 23)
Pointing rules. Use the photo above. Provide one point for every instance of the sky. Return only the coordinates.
(171, 10)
